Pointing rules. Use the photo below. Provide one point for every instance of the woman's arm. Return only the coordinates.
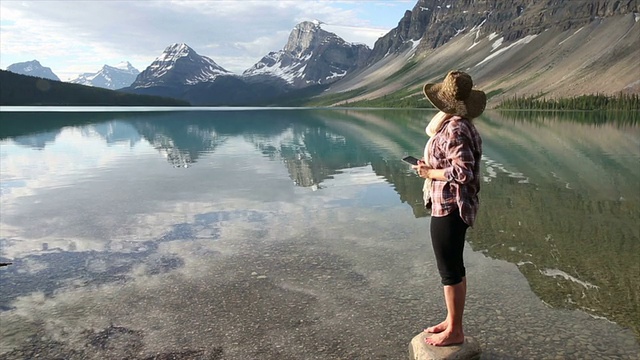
(424, 171)
(461, 158)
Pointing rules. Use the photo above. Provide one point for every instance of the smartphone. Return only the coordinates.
(411, 160)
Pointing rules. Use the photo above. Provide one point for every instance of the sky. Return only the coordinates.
(73, 37)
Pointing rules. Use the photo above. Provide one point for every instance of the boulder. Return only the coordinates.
(420, 350)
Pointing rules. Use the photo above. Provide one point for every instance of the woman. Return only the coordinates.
(452, 172)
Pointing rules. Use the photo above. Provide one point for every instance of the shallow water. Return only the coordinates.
(299, 234)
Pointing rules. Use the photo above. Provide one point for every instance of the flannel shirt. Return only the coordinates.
(457, 148)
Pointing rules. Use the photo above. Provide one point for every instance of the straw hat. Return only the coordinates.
(455, 96)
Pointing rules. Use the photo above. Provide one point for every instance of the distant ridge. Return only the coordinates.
(22, 90)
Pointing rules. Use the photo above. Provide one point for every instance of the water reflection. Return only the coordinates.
(95, 200)
(563, 202)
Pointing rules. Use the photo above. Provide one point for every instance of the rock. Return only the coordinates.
(420, 350)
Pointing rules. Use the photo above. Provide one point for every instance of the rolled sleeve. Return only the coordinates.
(462, 161)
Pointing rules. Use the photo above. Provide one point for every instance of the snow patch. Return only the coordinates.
(478, 26)
(496, 44)
(415, 43)
(475, 40)
(522, 41)
(472, 45)
(560, 43)
(288, 73)
(336, 75)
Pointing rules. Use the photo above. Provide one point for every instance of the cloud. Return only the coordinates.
(81, 36)
(358, 35)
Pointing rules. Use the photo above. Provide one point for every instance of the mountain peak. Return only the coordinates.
(311, 56)
(124, 65)
(33, 68)
(309, 25)
(176, 51)
(179, 63)
(178, 47)
(109, 77)
(308, 35)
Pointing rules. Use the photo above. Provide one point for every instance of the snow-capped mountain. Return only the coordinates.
(110, 77)
(33, 68)
(311, 56)
(179, 65)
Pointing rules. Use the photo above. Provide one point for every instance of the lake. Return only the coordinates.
(300, 234)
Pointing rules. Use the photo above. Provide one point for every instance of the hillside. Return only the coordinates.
(557, 49)
(21, 90)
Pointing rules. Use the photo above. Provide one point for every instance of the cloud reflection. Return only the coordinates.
(125, 213)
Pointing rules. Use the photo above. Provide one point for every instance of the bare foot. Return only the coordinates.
(438, 328)
(445, 338)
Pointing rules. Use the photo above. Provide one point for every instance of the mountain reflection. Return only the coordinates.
(559, 198)
(310, 146)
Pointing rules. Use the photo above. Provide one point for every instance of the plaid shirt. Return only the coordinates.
(457, 148)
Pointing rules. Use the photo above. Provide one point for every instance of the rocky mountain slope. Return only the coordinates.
(109, 77)
(33, 68)
(311, 56)
(555, 48)
(179, 64)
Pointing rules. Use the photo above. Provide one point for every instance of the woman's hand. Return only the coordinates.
(427, 172)
(422, 169)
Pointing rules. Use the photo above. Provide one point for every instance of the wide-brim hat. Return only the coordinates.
(455, 95)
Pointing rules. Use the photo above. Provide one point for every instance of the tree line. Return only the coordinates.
(22, 90)
(618, 102)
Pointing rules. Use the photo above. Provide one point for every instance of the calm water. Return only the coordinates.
(299, 234)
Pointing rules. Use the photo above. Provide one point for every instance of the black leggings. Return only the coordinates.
(447, 238)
